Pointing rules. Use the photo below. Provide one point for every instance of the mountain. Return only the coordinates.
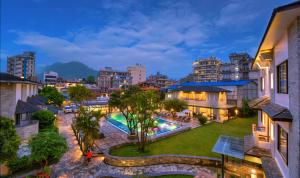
(69, 70)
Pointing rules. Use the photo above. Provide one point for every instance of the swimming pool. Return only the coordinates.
(164, 126)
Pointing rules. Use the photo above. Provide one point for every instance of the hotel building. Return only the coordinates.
(138, 73)
(207, 70)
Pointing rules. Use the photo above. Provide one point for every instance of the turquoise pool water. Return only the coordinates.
(164, 126)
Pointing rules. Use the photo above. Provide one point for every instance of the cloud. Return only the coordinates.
(159, 43)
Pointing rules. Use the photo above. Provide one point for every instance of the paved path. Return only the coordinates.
(72, 164)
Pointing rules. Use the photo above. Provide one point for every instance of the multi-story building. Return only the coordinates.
(159, 80)
(138, 73)
(276, 136)
(211, 101)
(22, 65)
(207, 70)
(109, 78)
(239, 68)
(50, 77)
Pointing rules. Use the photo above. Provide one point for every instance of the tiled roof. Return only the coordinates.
(258, 103)
(219, 83)
(52, 108)
(5, 77)
(25, 107)
(37, 100)
(270, 168)
(277, 112)
(200, 89)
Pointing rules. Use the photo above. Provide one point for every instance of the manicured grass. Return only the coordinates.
(198, 141)
(174, 176)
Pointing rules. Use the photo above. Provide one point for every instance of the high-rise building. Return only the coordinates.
(239, 67)
(138, 73)
(50, 77)
(160, 80)
(22, 65)
(109, 78)
(207, 69)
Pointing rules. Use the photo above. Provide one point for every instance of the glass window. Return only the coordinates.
(262, 83)
(282, 77)
(283, 144)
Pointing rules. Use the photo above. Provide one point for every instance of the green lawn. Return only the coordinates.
(198, 141)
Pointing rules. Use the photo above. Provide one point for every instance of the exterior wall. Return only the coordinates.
(8, 95)
(26, 131)
(280, 55)
(138, 74)
(294, 97)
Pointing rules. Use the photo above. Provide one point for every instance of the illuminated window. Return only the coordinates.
(282, 78)
(272, 131)
(282, 144)
(262, 83)
(272, 80)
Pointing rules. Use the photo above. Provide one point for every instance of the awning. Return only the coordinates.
(258, 103)
(277, 112)
(230, 146)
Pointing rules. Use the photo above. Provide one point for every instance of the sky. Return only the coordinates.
(164, 35)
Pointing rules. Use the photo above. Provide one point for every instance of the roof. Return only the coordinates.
(270, 167)
(283, 23)
(95, 102)
(5, 78)
(200, 89)
(25, 107)
(219, 83)
(258, 103)
(37, 100)
(52, 108)
(230, 146)
(277, 112)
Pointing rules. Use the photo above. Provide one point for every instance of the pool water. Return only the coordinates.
(163, 126)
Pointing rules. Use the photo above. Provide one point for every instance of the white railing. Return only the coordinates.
(261, 138)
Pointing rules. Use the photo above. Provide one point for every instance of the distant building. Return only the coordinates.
(22, 65)
(138, 73)
(206, 70)
(239, 68)
(159, 80)
(109, 78)
(50, 77)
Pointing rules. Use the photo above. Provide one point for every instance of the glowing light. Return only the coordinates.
(253, 171)
(236, 111)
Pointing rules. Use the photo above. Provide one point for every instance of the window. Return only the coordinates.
(272, 80)
(282, 144)
(282, 77)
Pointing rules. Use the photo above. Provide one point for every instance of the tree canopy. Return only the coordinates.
(90, 79)
(46, 118)
(174, 105)
(9, 140)
(79, 93)
(53, 95)
(47, 146)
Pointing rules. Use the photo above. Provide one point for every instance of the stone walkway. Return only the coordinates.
(73, 165)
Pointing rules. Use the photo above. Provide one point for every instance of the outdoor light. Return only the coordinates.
(253, 171)
(236, 111)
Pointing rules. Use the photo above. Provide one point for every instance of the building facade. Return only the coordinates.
(159, 80)
(277, 131)
(50, 77)
(22, 65)
(206, 70)
(109, 78)
(137, 73)
(209, 100)
(239, 68)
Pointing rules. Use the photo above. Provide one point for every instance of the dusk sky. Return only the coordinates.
(164, 35)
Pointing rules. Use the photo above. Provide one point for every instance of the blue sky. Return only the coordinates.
(164, 35)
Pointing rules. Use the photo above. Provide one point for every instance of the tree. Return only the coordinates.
(125, 102)
(90, 79)
(245, 111)
(174, 105)
(47, 146)
(79, 93)
(9, 140)
(147, 103)
(46, 118)
(53, 95)
(201, 118)
(87, 122)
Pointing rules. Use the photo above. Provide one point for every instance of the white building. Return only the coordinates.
(138, 73)
(50, 77)
(276, 136)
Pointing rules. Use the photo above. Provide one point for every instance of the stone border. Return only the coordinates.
(158, 159)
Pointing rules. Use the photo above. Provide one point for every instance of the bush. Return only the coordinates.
(201, 118)
(21, 164)
(47, 146)
(50, 129)
(9, 140)
(46, 118)
(246, 110)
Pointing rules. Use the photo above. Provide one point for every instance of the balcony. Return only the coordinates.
(261, 137)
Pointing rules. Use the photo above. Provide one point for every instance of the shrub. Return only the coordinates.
(21, 164)
(201, 118)
(246, 110)
(47, 146)
(9, 140)
(46, 118)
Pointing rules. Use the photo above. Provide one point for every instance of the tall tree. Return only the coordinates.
(90, 79)
(46, 118)
(9, 140)
(147, 103)
(125, 101)
(53, 95)
(174, 105)
(79, 93)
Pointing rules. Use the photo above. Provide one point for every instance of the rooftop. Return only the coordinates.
(8, 78)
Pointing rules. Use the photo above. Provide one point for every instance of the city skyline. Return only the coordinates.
(163, 35)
